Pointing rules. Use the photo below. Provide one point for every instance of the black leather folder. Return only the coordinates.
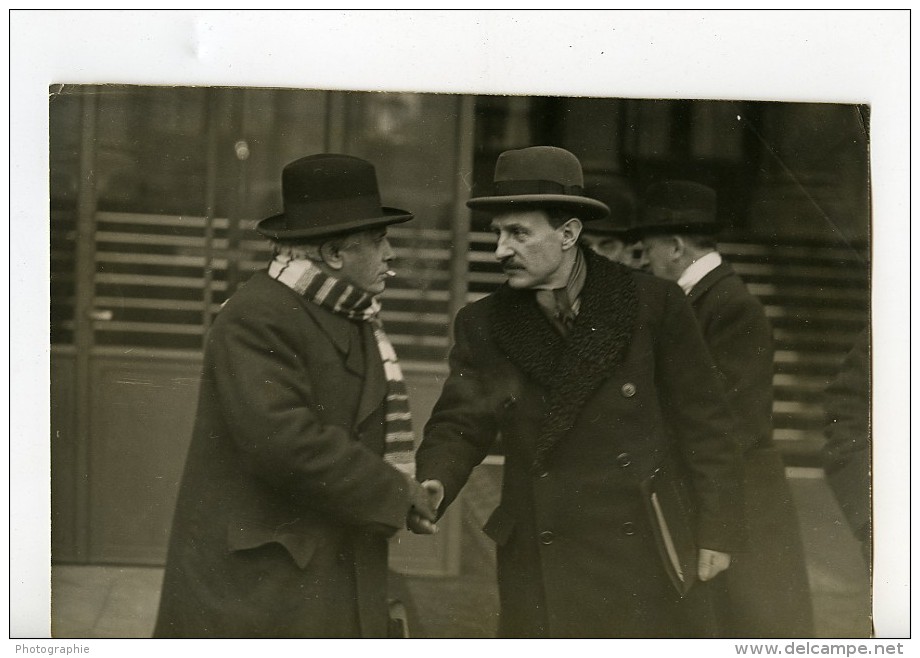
(672, 515)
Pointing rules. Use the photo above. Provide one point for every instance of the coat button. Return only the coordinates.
(628, 390)
(629, 528)
(623, 460)
(546, 537)
(544, 474)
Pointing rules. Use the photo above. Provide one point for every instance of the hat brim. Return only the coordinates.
(598, 227)
(707, 228)
(275, 227)
(586, 208)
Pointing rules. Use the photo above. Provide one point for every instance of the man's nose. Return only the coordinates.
(388, 254)
(501, 248)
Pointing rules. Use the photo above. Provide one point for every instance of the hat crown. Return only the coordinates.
(328, 193)
(329, 176)
(540, 163)
(679, 205)
(538, 177)
(622, 203)
(681, 195)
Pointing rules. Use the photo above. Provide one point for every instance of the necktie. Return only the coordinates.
(564, 312)
(555, 303)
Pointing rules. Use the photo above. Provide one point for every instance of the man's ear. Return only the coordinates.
(570, 232)
(678, 247)
(331, 253)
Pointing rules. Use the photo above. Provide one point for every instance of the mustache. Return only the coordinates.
(509, 264)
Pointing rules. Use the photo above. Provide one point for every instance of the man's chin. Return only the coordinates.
(373, 290)
(517, 282)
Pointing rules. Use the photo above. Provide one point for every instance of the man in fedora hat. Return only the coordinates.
(594, 375)
(767, 588)
(610, 236)
(300, 466)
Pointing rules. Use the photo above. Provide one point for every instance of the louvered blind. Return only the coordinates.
(160, 279)
(816, 296)
(63, 231)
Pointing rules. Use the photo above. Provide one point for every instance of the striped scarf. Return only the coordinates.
(304, 278)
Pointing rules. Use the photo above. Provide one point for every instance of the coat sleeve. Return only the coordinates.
(267, 400)
(693, 403)
(741, 343)
(462, 426)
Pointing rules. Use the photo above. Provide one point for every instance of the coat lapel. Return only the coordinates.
(340, 332)
(572, 368)
(361, 356)
(525, 335)
(374, 390)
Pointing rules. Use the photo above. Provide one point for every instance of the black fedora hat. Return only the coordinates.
(622, 204)
(538, 177)
(328, 194)
(677, 206)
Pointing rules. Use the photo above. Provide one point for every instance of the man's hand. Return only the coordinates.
(424, 511)
(435, 492)
(712, 563)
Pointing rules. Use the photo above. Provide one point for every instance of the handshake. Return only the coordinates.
(426, 499)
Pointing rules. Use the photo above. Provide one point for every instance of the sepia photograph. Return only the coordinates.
(334, 360)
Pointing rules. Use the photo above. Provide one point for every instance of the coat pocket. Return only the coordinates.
(301, 542)
(500, 526)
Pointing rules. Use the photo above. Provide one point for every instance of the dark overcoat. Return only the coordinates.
(767, 586)
(285, 505)
(583, 420)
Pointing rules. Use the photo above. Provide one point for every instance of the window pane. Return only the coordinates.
(412, 139)
(64, 128)
(151, 149)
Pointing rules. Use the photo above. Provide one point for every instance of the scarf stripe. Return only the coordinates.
(303, 277)
(310, 288)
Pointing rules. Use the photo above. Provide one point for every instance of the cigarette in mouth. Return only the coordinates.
(390, 273)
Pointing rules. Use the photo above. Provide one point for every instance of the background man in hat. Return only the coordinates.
(768, 593)
(301, 461)
(610, 236)
(593, 374)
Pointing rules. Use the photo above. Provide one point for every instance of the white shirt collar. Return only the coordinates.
(698, 269)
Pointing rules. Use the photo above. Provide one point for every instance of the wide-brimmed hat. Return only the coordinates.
(677, 206)
(623, 207)
(538, 177)
(328, 194)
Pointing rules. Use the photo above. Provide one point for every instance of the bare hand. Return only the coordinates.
(420, 525)
(435, 491)
(422, 513)
(416, 521)
(712, 563)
